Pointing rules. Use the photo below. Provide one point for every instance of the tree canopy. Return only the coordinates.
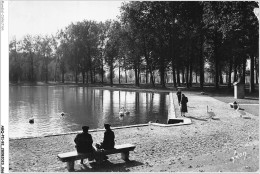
(154, 39)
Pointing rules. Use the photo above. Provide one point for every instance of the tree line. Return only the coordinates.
(185, 39)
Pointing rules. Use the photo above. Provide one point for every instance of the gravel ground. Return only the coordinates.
(250, 103)
(230, 144)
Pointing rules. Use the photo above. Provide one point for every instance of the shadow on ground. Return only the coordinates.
(195, 118)
(107, 166)
(251, 98)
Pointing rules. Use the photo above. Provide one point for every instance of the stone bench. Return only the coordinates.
(70, 157)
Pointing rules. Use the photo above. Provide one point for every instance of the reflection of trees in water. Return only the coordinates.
(137, 102)
(151, 103)
(102, 101)
(94, 101)
(119, 100)
(162, 107)
(91, 107)
(111, 111)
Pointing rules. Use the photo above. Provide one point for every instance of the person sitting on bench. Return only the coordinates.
(108, 141)
(84, 142)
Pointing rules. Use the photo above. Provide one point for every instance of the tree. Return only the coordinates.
(112, 48)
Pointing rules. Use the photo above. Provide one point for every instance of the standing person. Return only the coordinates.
(179, 95)
(84, 142)
(184, 101)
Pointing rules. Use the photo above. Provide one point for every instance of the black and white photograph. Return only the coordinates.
(130, 86)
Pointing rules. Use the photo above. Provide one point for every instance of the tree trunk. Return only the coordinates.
(146, 75)
(201, 63)
(55, 70)
(216, 60)
(256, 71)
(76, 76)
(63, 77)
(136, 76)
(178, 76)
(187, 76)
(148, 65)
(152, 78)
(32, 69)
(183, 78)
(191, 79)
(173, 74)
(216, 70)
(235, 72)
(140, 78)
(243, 79)
(94, 75)
(91, 74)
(119, 74)
(252, 84)
(229, 73)
(196, 76)
(166, 78)
(111, 75)
(46, 69)
(139, 74)
(102, 69)
(83, 76)
(220, 77)
(125, 76)
(62, 67)
(162, 75)
(87, 76)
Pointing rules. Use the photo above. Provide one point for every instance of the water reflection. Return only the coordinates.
(81, 106)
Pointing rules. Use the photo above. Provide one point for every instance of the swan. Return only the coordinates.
(211, 114)
(123, 112)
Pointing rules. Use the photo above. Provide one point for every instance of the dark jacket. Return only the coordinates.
(109, 139)
(179, 96)
(184, 102)
(84, 142)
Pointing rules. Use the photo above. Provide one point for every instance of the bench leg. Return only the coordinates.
(99, 158)
(125, 156)
(70, 165)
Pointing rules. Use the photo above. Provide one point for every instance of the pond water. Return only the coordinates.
(81, 106)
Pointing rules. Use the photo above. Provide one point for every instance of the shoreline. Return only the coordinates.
(76, 132)
(209, 89)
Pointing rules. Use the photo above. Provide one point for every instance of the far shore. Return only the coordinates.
(208, 87)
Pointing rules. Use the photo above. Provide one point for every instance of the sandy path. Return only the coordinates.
(206, 145)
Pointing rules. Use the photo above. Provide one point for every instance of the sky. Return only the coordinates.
(47, 17)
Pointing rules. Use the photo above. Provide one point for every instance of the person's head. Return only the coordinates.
(107, 126)
(179, 89)
(85, 129)
(183, 95)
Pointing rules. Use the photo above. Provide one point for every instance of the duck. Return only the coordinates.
(127, 112)
(31, 120)
(62, 114)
